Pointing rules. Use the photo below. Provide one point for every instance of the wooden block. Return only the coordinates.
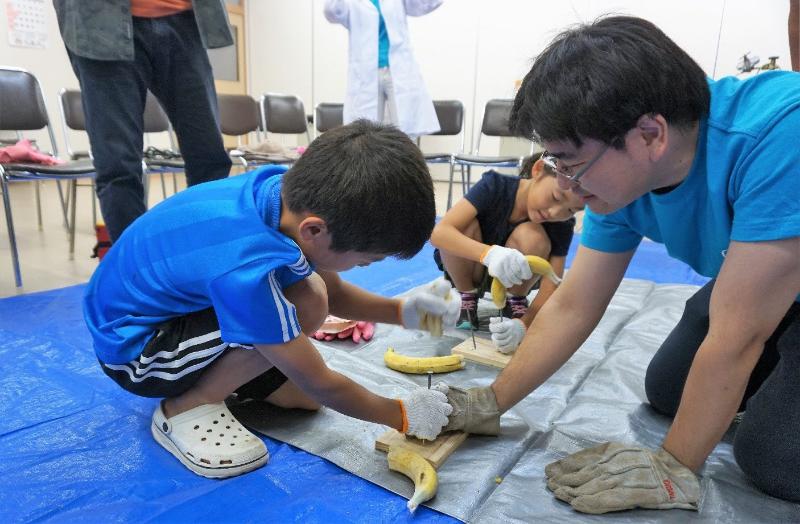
(436, 451)
(484, 353)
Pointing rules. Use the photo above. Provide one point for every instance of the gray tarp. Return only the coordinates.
(597, 396)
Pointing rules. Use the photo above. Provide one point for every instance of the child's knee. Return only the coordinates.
(310, 299)
(530, 239)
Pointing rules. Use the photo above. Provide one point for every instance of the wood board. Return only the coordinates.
(483, 353)
(435, 452)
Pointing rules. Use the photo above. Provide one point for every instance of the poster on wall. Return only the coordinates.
(27, 23)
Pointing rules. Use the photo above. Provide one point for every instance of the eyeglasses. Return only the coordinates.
(564, 171)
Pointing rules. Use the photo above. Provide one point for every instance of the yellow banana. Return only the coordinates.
(419, 470)
(421, 365)
(538, 265)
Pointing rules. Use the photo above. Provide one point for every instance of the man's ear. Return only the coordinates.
(654, 131)
(312, 228)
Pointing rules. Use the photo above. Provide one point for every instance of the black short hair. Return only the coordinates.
(527, 166)
(596, 80)
(370, 184)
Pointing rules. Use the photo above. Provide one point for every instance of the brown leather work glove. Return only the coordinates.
(474, 411)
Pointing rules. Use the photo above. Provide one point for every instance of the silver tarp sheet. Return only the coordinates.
(597, 396)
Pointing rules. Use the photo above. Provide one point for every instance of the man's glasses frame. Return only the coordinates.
(553, 163)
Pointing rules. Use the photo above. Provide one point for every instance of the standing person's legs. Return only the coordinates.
(768, 439)
(183, 82)
(667, 372)
(387, 110)
(113, 95)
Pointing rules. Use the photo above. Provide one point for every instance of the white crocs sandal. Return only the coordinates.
(210, 441)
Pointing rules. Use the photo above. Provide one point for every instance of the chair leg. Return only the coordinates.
(450, 187)
(12, 239)
(64, 203)
(146, 184)
(174, 182)
(94, 203)
(163, 186)
(37, 188)
(74, 204)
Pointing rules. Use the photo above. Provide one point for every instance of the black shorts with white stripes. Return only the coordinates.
(179, 352)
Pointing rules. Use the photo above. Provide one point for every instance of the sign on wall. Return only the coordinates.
(27, 23)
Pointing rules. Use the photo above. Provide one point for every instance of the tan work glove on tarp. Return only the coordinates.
(616, 477)
(474, 411)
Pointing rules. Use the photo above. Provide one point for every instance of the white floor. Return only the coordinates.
(44, 253)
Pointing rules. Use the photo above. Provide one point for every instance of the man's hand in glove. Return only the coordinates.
(424, 308)
(425, 412)
(507, 333)
(474, 411)
(507, 265)
(616, 477)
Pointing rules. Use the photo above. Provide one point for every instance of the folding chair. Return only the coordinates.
(328, 115)
(239, 116)
(22, 109)
(284, 114)
(451, 123)
(494, 123)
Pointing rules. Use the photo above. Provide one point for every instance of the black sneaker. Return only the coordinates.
(468, 319)
(515, 307)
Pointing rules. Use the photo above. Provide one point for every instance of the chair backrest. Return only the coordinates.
(283, 114)
(496, 116)
(21, 104)
(155, 119)
(238, 114)
(328, 115)
(451, 116)
(72, 109)
(495, 121)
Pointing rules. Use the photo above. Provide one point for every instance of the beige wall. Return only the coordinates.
(474, 50)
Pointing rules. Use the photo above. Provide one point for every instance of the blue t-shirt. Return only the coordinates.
(383, 37)
(744, 183)
(216, 245)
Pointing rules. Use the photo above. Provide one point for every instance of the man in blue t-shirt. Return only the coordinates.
(711, 169)
(213, 292)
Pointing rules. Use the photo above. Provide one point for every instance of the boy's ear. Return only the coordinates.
(312, 228)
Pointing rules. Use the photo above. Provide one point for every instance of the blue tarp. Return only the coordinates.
(74, 446)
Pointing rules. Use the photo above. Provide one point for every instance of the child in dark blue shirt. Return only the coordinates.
(509, 216)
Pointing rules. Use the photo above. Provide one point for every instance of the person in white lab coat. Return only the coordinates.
(384, 83)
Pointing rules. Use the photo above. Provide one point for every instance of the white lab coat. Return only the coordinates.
(415, 112)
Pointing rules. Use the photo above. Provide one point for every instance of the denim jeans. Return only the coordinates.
(171, 61)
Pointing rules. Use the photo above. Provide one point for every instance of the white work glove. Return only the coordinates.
(615, 477)
(433, 309)
(507, 265)
(507, 333)
(426, 412)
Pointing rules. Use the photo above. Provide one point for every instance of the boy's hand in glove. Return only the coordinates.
(425, 412)
(432, 309)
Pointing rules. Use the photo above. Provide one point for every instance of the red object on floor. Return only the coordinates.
(103, 242)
